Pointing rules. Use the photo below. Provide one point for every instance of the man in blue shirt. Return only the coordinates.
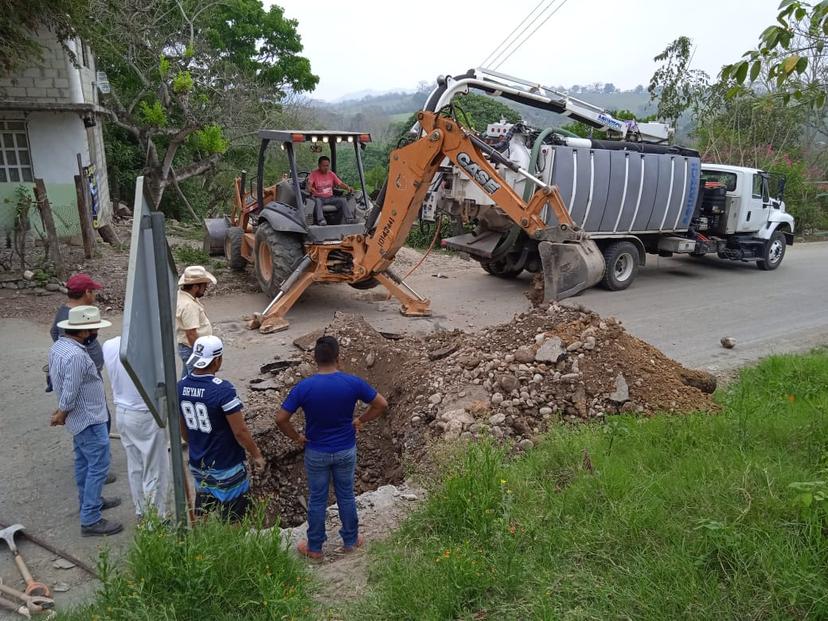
(213, 424)
(328, 399)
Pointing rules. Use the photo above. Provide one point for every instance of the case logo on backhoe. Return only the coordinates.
(478, 174)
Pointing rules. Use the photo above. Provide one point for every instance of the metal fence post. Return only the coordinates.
(170, 399)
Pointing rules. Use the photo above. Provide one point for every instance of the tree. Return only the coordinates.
(482, 110)
(674, 84)
(22, 19)
(791, 55)
(190, 77)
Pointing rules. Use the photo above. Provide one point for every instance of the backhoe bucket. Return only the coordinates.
(215, 231)
(569, 267)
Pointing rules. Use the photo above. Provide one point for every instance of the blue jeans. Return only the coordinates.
(321, 468)
(91, 468)
(185, 351)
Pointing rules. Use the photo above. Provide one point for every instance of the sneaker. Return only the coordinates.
(323, 222)
(110, 478)
(108, 503)
(101, 528)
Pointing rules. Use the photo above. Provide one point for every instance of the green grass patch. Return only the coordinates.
(215, 571)
(699, 516)
(187, 255)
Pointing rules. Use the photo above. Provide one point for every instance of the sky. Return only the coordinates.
(382, 45)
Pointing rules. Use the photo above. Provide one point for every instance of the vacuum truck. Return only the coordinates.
(633, 194)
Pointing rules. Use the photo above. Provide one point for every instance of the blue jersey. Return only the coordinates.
(328, 401)
(204, 402)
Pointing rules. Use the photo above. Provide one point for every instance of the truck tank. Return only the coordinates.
(612, 188)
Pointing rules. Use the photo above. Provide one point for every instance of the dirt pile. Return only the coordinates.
(510, 381)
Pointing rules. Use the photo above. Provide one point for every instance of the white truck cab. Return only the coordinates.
(742, 215)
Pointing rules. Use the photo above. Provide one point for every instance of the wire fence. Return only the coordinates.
(23, 245)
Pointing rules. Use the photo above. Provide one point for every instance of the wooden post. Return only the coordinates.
(49, 225)
(85, 218)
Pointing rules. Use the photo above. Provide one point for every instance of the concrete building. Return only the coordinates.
(49, 113)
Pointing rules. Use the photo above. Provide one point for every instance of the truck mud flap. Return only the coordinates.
(569, 267)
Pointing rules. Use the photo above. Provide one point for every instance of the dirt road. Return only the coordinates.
(682, 306)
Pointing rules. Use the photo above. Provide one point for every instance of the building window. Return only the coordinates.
(84, 53)
(15, 158)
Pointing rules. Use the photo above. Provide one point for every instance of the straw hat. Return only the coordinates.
(196, 274)
(84, 318)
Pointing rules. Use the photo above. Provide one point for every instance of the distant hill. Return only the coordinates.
(376, 112)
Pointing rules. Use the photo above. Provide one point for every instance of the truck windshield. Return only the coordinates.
(727, 179)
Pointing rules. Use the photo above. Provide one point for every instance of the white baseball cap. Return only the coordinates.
(205, 349)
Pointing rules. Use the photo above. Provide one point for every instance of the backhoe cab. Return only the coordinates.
(269, 225)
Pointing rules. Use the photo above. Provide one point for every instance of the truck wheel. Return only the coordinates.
(233, 249)
(499, 269)
(774, 252)
(276, 254)
(621, 260)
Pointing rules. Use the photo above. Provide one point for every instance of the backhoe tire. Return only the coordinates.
(233, 249)
(277, 254)
(363, 285)
(621, 260)
(774, 252)
(499, 269)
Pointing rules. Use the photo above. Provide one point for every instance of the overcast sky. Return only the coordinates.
(357, 45)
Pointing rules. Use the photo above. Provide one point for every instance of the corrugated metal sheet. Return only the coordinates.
(610, 192)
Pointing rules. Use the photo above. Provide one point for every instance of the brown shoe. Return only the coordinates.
(359, 543)
(302, 548)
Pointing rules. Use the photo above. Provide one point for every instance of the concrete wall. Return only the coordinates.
(47, 80)
(55, 138)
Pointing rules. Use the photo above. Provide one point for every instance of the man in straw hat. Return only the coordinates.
(190, 318)
(82, 409)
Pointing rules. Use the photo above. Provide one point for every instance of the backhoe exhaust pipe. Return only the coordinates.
(569, 267)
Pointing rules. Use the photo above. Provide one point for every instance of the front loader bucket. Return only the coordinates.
(215, 231)
(569, 267)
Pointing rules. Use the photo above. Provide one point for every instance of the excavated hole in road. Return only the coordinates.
(376, 357)
(499, 381)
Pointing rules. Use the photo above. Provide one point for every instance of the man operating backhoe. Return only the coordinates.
(321, 184)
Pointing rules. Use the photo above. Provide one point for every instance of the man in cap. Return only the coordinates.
(82, 409)
(81, 291)
(328, 399)
(190, 318)
(145, 443)
(212, 423)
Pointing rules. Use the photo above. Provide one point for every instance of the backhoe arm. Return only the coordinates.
(413, 166)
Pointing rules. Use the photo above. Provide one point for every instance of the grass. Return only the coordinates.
(216, 572)
(699, 516)
(187, 255)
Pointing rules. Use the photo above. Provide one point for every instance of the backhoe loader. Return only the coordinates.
(362, 254)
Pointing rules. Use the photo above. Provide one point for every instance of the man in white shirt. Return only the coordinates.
(145, 443)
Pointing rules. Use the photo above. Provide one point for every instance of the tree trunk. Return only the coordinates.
(49, 225)
(87, 232)
(109, 235)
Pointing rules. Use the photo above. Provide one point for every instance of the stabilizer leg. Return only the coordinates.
(273, 319)
(412, 303)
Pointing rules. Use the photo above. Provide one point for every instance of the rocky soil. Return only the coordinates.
(555, 364)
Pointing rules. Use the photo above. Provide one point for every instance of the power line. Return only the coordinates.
(531, 34)
(509, 36)
(528, 24)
